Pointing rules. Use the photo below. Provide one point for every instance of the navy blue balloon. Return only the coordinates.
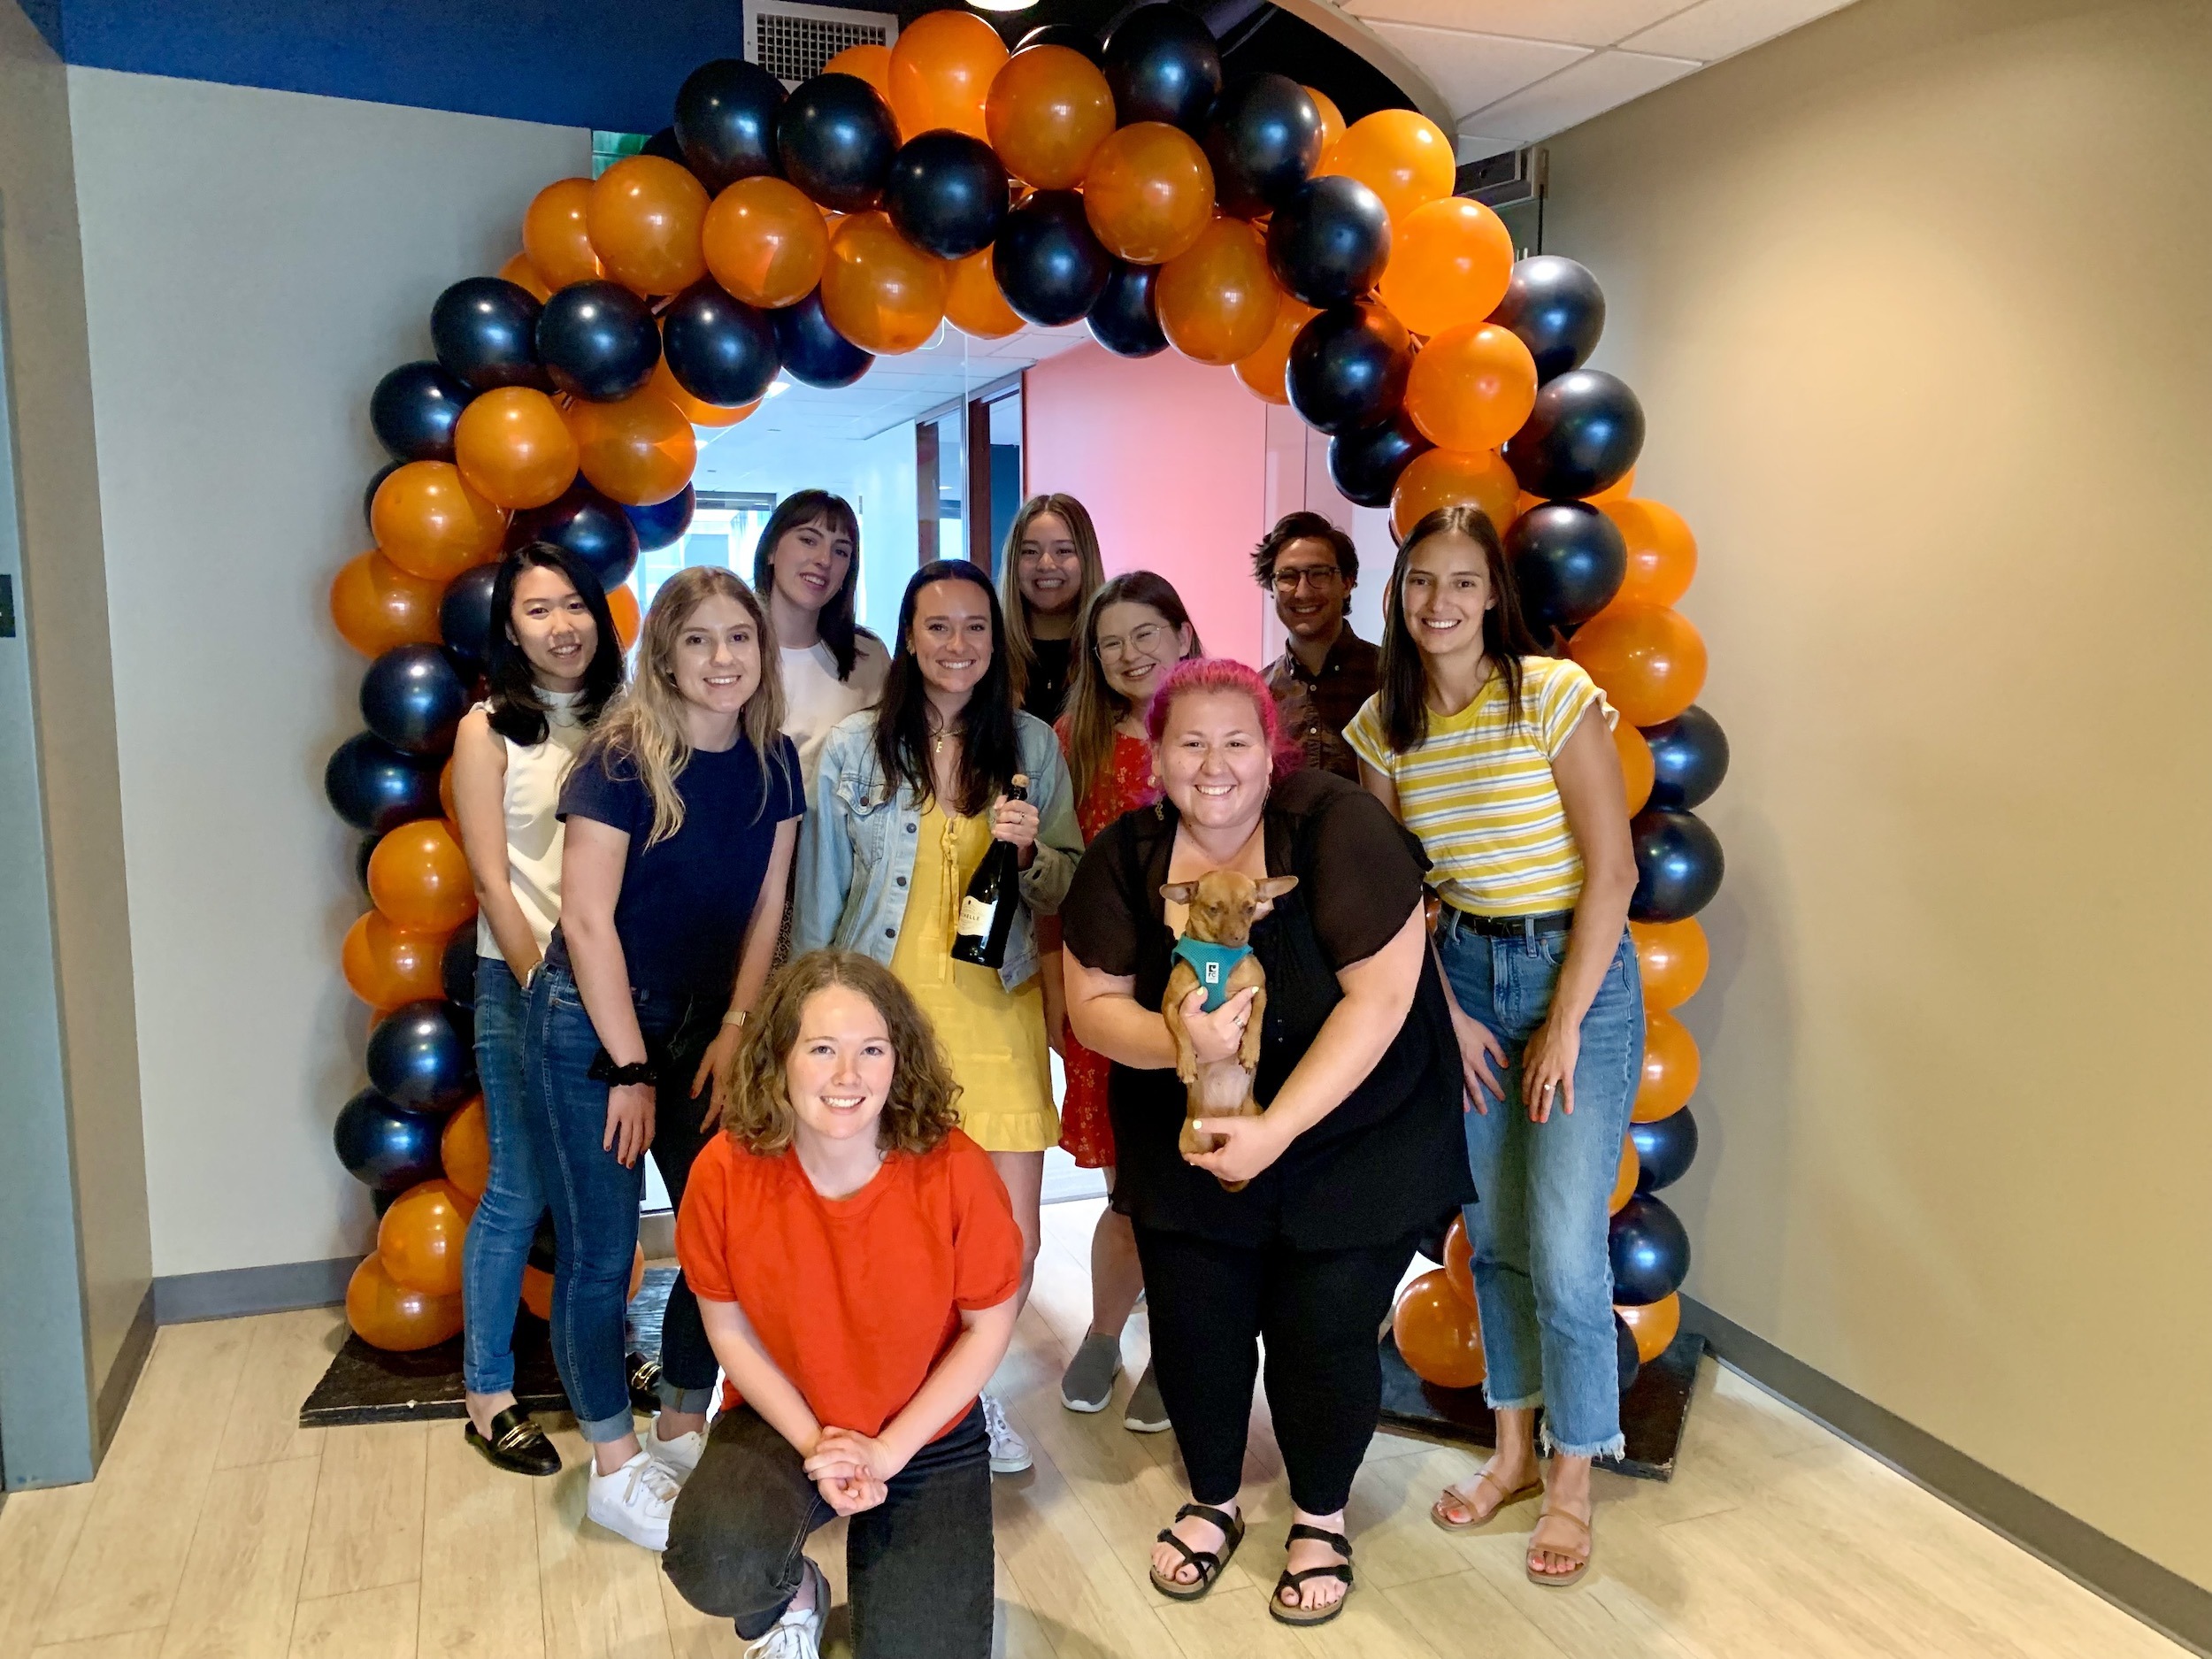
(594, 527)
(1568, 562)
(1348, 367)
(664, 145)
(725, 121)
(465, 617)
(1678, 865)
(1329, 240)
(458, 967)
(721, 350)
(836, 136)
(1263, 140)
(412, 699)
(545, 1243)
(386, 1149)
(1650, 1252)
(1365, 464)
(947, 194)
(664, 523)
(814, 351)
(485, 332)
(1163, 64)
(1665, 1146)
(1049, 264)
(414, 409)
(1624, 1352)
(364, 850)
(421, 1058)
(368, 495)
(1584, 432)
(597, 340)
(377, 787)
(1689, 757)
(1125, 317)
(1556, 307)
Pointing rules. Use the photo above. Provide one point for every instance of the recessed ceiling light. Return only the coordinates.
(1001, 5)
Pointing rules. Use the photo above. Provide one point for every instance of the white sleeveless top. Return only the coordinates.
(533, 833)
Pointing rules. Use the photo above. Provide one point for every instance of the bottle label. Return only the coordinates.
(975, 917)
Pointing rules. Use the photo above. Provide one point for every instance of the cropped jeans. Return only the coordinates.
(497, 1247)
(1543, 1274)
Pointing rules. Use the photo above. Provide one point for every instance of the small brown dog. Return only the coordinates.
(1215, 956)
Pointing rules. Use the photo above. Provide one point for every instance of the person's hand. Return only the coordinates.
(1480, 1050)
(1547, 1068)
(1248, 1145)
(713, 1066)
(629, 1123)
(1015, 822)
(849, 1493)
(863, 1452)
(1218, 1035)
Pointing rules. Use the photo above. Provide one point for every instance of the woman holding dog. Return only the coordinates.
(1360, 1147)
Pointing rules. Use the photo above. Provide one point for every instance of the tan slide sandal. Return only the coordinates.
(1534, 1489)
(1581, 1557)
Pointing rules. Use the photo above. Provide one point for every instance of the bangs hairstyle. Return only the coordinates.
(988, 759)
(517, 711)
(1021, 655)
(835, 621)
(645, 729)
(1404, 690)
(922, 1107)
(1095, 708)
(1199, 675)
(1305, 526)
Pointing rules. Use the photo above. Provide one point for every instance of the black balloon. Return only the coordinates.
(664, 523)
(1125, 317)
(725, 121)
(1329, 240)
(544, 1244)
(377, 787)
(411, 698)
(457, 967)
(1348, 367)
(812, 350)
(1689, 757)
(1650, 1252)
(1624, 1353)
(485, 332)
(837, 137)
(721, 350)
(595, 529)
(947, 194)
(368, 495)
(413, 410)
(1263, 138)
(383, 1148)
(597, 340)
(1161, 65)
(1568, 562)
(1365, 464)
(1554, 305)
(1066, 35)
(664, 145)
(1664, 1149)
(1678, 865)
(420, 1057)
(1584, 432)
(465, 617)
(1049, 264)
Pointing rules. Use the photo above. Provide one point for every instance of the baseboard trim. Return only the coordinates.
(279, 1287)
(2159, 1596)
(115, 1393)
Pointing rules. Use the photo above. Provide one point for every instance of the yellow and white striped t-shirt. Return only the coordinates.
(1480, 794)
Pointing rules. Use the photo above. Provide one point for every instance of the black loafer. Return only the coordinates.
(645, 1382)
(517, 1444)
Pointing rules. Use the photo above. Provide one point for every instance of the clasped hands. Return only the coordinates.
(1246, 1145)
(852, 1471)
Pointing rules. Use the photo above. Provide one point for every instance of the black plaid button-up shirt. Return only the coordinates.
(1316, 708)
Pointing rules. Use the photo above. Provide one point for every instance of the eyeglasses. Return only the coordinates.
(1141, 641)
(1320, 575)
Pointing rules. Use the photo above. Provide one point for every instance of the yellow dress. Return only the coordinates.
(995, 1037)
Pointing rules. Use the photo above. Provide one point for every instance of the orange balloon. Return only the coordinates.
(431, 524)
(867, 62)
(1449, 264)
(766, 241)
(1402, 157)
(513, 448)
(1672, 958)
(972, 300)
(644, 215)
(640, 450)
(698, 413)
(385, 965)
(1662, 552)
(557, 234)
(1216, 301)
(419, 878)
(537, 1285)
(1624, 1177)
(1459, 1260)
(1450, 478)
(622, 607)
(1437, 1334)
(1620, 489)
(419, 1239)
(942, 65)
(445, 794)
(1332, 123)
(378, 605)
(1263, 372)
(879, 290)
(1048, 110)
(1671, 1068)
(1648, 660)
(1654, 1325)
(523, 275)
(393, 1317)
(464, 1148)
(1471, 386)
(1149, 193)
(1636, 771)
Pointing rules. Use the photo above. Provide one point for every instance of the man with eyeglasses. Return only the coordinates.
(1325, 671)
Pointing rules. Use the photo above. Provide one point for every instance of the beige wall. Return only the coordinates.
(1919, 301)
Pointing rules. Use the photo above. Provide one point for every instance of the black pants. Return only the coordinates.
(918, 1565)
(687, 1363)
(1319, 1313)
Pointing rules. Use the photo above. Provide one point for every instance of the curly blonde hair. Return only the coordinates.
(922, 1107)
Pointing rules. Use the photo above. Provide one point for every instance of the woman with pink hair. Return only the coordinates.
(1360, 1148)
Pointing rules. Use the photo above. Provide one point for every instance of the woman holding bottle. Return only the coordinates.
(1050, 569)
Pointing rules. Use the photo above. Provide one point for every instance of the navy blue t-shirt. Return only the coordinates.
(685, 902)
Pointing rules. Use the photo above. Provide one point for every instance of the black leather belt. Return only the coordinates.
(1506, 926)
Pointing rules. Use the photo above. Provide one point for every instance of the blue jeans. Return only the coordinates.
(1543, 1276)
(498, 1244)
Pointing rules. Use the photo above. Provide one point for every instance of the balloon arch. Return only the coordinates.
(942, 179)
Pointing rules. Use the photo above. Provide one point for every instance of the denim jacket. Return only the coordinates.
(857, 842)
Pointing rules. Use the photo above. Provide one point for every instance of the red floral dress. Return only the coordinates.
(1086, 1131)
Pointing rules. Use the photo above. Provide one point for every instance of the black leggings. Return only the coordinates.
(1319, 1312)
(689, 1367)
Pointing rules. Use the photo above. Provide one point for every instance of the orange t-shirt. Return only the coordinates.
(855, 1299)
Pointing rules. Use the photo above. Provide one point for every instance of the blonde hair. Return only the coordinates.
(645, 726)
(1021, 655)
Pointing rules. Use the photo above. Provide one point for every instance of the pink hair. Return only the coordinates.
(1199, 675)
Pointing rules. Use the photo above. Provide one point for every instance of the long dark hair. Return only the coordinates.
(1505, 636)
(1094, 706)
(989, 758)
(517, 711)
(835, 622)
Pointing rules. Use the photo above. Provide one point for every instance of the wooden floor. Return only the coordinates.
(218, 1530)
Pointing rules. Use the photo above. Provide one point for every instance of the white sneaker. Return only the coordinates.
(634, 1501)
(1009, 1452)
(678, 1456)
(796, 1635)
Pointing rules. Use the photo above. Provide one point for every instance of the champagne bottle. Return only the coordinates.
(987, 910)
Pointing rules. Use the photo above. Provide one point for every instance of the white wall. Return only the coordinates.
(253, 261)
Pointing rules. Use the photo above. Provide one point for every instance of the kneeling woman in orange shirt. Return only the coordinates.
(855, 1261)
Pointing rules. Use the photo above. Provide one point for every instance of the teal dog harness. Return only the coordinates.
(1213, 965)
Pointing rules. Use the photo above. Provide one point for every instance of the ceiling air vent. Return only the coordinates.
(792, 42)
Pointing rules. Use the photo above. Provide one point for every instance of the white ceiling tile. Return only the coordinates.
(1602, 81)
(1713, 29)
(1576, 22)
(1474, 71)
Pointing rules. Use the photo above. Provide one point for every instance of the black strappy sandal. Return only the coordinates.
(1208, 1563)
(1295, 1582)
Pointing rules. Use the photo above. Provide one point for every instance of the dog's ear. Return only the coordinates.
(1178, 892)
(1273, 888)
